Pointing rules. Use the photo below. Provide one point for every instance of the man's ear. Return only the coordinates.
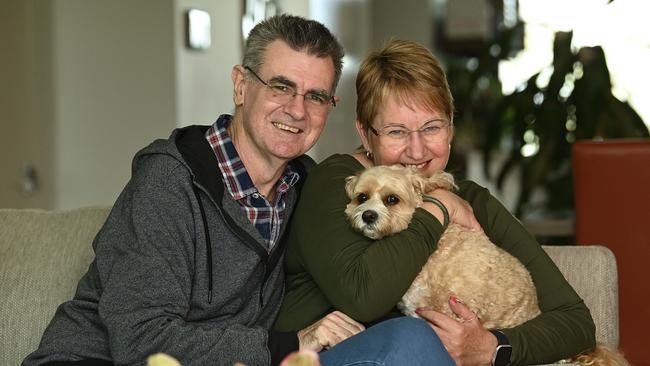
(238, 76)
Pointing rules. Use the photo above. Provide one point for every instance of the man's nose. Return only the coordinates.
(296, 107)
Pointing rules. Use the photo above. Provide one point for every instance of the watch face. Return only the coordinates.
(502, 355)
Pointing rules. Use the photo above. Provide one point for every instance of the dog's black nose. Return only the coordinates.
(369, 216)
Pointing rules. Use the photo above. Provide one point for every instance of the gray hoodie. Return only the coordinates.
(175, 274)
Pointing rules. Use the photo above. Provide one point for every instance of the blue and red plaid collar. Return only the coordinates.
(236, 178)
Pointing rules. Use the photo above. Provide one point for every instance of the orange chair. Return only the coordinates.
(612, 203)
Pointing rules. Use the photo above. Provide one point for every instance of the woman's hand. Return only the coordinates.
(333, 328)
(460, 212)
(467, 342)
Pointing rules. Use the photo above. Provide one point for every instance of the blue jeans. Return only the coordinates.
(399, 341)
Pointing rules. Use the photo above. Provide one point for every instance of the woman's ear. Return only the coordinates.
(238, 76)
(452, 131)
(363, 135)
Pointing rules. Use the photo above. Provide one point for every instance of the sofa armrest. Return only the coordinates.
(591, 270)
(43, 254)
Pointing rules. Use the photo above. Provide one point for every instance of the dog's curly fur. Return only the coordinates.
(466, 264)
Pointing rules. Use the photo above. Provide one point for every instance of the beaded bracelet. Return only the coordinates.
(442, 208)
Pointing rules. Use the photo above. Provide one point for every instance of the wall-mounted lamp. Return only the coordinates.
(198, 29)
(255, 11)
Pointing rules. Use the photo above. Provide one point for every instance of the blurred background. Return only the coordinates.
(86, 83)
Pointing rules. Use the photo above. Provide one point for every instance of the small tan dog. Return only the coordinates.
(466, 264)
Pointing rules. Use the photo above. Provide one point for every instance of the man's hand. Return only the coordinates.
(467, 342)
(328, 331)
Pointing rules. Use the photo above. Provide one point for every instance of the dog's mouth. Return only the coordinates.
(371, 231)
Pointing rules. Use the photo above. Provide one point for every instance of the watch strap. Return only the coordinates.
(503, 351)
(502, 339)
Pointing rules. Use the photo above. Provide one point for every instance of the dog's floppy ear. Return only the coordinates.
(350, 183)
(441, 179)
(418, 181)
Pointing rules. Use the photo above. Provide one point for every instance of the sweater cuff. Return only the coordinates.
(281, 344)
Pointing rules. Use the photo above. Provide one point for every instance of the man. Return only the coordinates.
(189, 260)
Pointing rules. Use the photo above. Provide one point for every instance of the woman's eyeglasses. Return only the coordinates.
(436, 130)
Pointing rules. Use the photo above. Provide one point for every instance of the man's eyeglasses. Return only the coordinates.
(436, 130)
(283, 94)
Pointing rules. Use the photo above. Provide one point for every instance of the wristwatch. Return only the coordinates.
(504, 350)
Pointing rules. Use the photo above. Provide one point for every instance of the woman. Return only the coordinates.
(405, 116)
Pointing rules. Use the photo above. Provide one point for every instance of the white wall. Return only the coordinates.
(360, 25)
(349, 21)
(97, 80)
(92, 82)
(114, 87)
(203, 84)
(24, 134)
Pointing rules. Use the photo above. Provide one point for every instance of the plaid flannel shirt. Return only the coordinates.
(265, 216)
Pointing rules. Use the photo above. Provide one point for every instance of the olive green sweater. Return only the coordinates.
(330, 266)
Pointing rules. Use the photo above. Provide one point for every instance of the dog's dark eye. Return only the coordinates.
(392, 200)
(361, 198)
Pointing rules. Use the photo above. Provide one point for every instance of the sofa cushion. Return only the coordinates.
(43, 254)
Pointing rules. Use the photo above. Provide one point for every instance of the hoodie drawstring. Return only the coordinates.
(208, 243)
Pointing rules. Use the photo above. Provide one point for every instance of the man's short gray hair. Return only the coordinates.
(298, 33)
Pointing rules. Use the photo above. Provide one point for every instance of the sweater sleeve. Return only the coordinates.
(330, 266)
(282, 344)
(145, 257)
(565, 327)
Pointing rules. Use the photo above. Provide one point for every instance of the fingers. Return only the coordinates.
(438, 320)
(462, 214)
(444, 323)
(346, 322)
(462, 310)
(337, 327)
(332, 329)
(471, 222)
(466, 341)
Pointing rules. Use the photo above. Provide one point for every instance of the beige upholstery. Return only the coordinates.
(591, 270)
(43, 255)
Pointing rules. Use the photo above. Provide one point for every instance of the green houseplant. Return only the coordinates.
(535, 126)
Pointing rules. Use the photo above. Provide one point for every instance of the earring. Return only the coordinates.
(369, 155)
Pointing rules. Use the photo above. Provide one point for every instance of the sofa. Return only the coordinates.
(43, 254)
